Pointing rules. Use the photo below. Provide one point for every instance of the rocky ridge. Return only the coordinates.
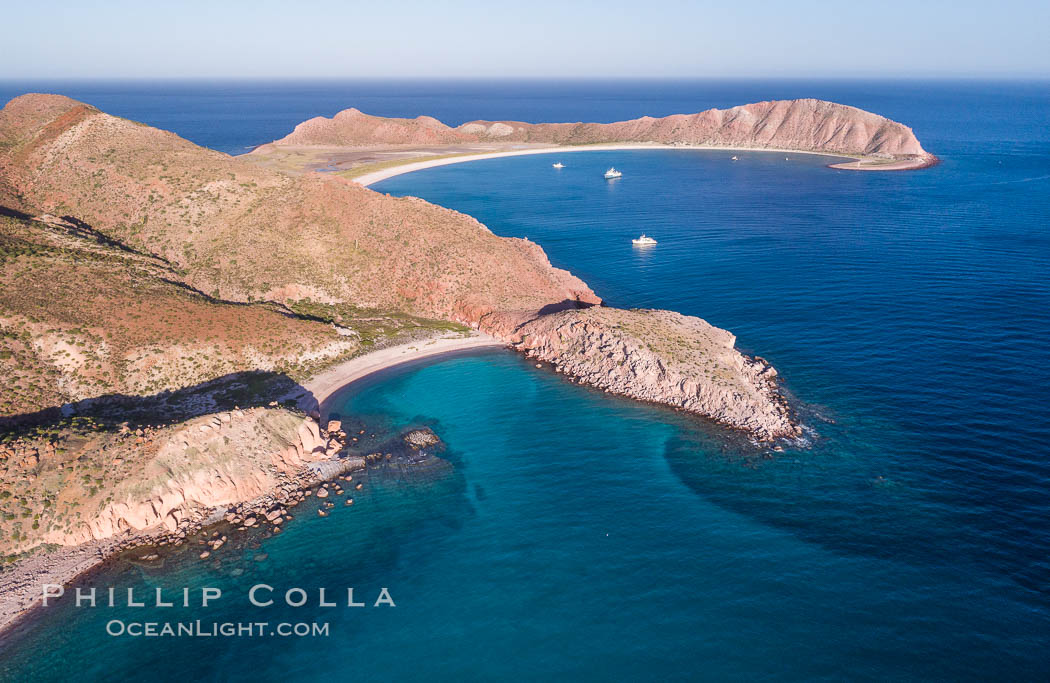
(805, 125)
(162, 478)
(213, 461)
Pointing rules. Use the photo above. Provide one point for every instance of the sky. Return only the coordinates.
(536, 38)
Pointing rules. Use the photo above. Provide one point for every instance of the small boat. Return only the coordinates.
(558, 165)
(612, 173)
(735, 159)
(644, 239)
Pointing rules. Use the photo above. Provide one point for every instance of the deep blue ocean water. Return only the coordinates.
(579, 535)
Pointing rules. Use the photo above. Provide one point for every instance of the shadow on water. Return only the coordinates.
(844, 505)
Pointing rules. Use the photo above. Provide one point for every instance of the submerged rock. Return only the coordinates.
(421, 438)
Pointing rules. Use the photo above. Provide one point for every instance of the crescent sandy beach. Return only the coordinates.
(370, 178)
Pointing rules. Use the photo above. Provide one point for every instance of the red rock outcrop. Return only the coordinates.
(213, 461)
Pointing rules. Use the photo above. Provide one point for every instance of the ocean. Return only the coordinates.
(578, 535)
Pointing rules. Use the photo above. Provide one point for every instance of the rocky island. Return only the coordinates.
(172, 318)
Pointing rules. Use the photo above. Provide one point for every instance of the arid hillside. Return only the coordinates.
(131, 400)
(239, 232)
(80, 318)
(806, 125)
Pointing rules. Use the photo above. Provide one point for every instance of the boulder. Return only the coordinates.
(421, 438)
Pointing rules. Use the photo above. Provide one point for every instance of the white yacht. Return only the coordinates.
(643, 240)
(734, 159)
(612, 173)
(558, 165)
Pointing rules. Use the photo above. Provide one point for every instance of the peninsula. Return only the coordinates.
(172, 318)
(375, 147)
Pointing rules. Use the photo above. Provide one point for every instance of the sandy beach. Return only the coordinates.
(409, 167)
(325, 385)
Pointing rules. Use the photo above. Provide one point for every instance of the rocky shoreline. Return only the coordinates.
(336, 476)
(915, 164)
(660, 357)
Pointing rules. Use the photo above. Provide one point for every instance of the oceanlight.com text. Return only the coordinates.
(198, 629)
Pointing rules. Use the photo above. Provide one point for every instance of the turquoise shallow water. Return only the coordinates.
(579, 535)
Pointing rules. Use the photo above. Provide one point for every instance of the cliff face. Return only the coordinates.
(213, 461)
(806, 125)
(663, 357)
(156, 478)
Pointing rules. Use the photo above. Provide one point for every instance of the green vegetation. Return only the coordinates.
(372, 326)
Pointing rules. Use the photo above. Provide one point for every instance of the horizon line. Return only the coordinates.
(523, 78)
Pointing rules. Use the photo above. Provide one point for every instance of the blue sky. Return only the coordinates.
(537, 38)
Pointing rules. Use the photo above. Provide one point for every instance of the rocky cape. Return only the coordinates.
(662, 357)
(807, 125)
